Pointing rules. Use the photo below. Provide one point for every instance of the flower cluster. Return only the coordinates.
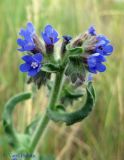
(95, 49)
(27, 44)
(102, 48)
(34, 48)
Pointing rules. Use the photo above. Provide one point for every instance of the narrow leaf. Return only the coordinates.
(75, 52)
(50, 67)
(7, 115)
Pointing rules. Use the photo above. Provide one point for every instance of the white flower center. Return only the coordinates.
(34, 65)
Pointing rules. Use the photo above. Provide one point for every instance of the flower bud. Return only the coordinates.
(66, 40)
(79, 40)
(39, 48)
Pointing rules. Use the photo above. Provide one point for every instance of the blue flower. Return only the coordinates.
(67, 38)
(27, 43)
(95, 63)
(92, 31)
(50, 36)
(32, 64)
(103, 46)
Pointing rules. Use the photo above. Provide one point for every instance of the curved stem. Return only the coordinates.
(45, 119)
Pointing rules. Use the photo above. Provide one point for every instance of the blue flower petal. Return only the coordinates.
(100, 43)
(39, 68)
(100, 67)
(54, 33)
(38, 57)
(108, 48)
(20, 49)
(28, 36)
(22, 32)
(25, 67)
(46, 39)
(32, 72)
(30, 28)
(29, 46)
(20, 42)
(27, 58)
(92, 61)
(100, 51)
(104, 38)
(93, 70)
(100, 58)
(92, 30)
(48, 29)
(55, 40)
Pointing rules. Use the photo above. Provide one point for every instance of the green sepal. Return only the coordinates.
(76, 70)
(77, 116)
(51, 67)
(40, 79)
(7, 117)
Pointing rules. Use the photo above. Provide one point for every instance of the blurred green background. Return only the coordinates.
(101, 135)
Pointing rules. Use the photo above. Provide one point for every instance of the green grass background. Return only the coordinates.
(101, 135)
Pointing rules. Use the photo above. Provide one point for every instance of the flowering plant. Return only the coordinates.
(72, 68)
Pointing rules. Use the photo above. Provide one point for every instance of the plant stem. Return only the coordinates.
(45, 119)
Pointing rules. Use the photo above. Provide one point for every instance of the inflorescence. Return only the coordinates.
(95, 49)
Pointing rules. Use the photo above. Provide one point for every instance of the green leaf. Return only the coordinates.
(50, 67)
(77, 116)
(75, 52)
(49, 85)
(7, 116)
(74, 94)
(60, 107)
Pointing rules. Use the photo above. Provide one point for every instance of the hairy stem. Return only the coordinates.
(45, 119)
